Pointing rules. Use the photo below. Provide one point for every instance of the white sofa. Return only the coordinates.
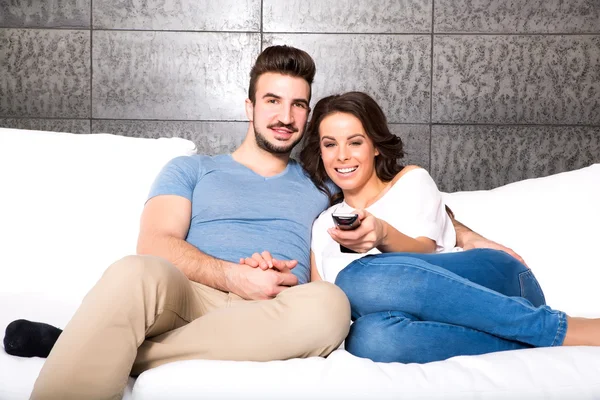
(70, 206)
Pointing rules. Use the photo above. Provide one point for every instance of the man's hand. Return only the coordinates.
(469, 239)
(265, 261)
(475, 241)
(253, 283)
(262, 277)
(369, 234)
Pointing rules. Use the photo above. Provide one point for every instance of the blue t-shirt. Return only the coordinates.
(236, 212)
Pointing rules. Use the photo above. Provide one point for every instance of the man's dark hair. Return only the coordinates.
(285, 60)
(373, 120)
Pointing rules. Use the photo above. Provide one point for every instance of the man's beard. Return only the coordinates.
(264, 144)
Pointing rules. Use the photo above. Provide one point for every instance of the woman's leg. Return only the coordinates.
(494, 269)
(400, 282)
(393, 336)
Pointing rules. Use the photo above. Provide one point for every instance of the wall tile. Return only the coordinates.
(45, 14)
(44, 73)
(394, 69)
(484, 157)
(222, 15)
(416, 141)
(51, 125)
(517, 79)
(169, 75)
(517, 16)
(347, 16)
(210, 137)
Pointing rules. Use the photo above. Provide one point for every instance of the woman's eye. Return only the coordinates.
(356, 143)
(327, 145)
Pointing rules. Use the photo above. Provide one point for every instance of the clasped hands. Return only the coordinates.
(262, 277)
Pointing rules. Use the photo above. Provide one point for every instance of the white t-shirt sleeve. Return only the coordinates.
(418, 210)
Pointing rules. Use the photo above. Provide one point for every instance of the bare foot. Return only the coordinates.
(582, 332)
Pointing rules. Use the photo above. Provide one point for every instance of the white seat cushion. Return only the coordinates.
(545, 373)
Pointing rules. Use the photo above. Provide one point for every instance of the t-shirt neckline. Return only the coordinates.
(266, 178)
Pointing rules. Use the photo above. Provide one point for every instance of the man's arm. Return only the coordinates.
(164, 226)
(469, 239)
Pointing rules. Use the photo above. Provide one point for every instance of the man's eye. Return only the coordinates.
(272, 101)
(301, 105)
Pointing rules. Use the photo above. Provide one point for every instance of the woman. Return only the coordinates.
(410, 304)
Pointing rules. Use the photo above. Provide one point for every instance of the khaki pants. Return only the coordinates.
(144, 312)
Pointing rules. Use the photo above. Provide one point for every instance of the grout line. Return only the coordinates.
(431, 86)
(516, 34)
(165, 30)
(91, 63)
(317, 33)
(500, 124)
(516, 124)
(159, 120)
(261, 27)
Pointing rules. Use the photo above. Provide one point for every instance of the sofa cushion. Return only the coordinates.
(71, 205)
(543, 373)
(553, 223)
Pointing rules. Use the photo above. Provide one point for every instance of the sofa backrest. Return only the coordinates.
(70, 205)
(554, 224)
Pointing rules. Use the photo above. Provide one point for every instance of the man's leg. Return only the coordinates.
(303, 321)
(138, 296)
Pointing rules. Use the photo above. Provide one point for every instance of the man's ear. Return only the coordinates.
(249, 110)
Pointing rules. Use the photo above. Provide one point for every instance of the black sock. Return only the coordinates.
(30, 339)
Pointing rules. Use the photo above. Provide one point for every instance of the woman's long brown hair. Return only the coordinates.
(373, 120)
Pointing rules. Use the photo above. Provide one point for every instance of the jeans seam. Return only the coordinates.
(439, 274)
(521, 284)
(534, 281)
(561, 330)
(446, 326)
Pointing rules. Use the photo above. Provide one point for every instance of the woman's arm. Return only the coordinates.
(396, 241)
(374, 232)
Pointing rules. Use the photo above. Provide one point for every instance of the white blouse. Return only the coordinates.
(413, 205)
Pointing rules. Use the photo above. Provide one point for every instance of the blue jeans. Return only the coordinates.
(418, 308)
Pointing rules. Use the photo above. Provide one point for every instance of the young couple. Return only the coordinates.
(225, 270)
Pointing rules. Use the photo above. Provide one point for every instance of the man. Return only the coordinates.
(186, 296)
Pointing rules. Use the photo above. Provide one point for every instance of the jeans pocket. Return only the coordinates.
(530, 288)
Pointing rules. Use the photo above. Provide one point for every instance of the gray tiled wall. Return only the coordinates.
(482, 92)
